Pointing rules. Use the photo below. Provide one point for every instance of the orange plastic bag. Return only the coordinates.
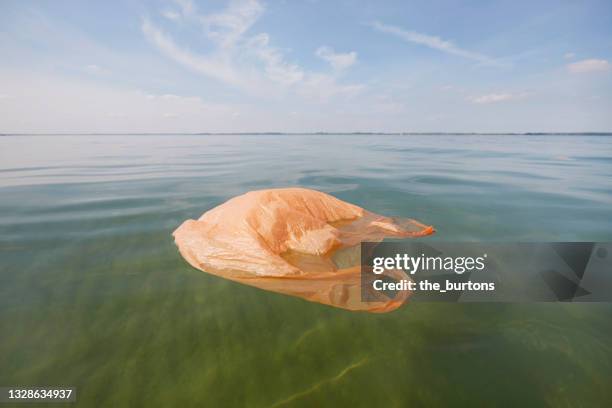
(292, 241)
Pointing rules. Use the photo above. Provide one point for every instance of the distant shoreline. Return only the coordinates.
(309, 134)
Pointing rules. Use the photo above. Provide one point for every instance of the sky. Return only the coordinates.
(305, 66)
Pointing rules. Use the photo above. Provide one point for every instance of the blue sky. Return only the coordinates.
(249, 65)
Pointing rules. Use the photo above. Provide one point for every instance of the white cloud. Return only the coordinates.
(171, 15)
(589, 65)
(276, 68)
(569, 55)
(212, 66)
(496, 97)
(338, 61)
(225, 29)
(433, 42)
(247, 61)
(228, 26)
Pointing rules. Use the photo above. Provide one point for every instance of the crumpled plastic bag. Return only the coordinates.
(293, 241)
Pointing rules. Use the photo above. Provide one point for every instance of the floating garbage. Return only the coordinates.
(294, 241)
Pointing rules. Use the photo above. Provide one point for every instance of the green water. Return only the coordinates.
(94, 294)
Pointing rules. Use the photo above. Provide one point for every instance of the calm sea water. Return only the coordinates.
(93, 292)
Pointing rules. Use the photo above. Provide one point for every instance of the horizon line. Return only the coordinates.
(591, 133)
